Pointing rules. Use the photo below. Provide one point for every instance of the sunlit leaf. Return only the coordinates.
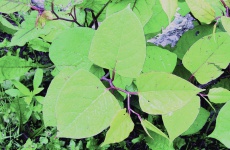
(212, 54)
(219, 95)
(169, 6)
(159, 59)
(162, 93)
(51, 97)
(120, 128)
(225, 22)
(143, 8)
(179, 121)
(116, 47)
(202, 10)
(221, 131)
(70, 50)
(84, 106)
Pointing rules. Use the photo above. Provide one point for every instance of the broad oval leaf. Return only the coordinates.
(200, 121)
(221, 131)
(12, 67)
(119, 44)
(50, 100)
(202, 10)
(84, 106)
(10, 6)
(170, 7)
(225, 22)
(219, 95)
(209, 54)
(120, 128)
(162, 93)
(158, 59)
(70, 50)
(179, 121)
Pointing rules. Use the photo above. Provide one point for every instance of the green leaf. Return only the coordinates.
(116, 48)
(219, 95)
(29, 31)
(22, 110)
(12, 67)
(202, 10)
(143, 9)
(221, 131)
(10, 6)
(51, 97)
(13, 92)
(39, 45)
(6, 26)
(84, 106)
(198, 124)
(158, 142)
(217, 7)
(157, 21)
(37, 78)
(179, 121)
(190, 37)
(170, 7)
(159, 59)
(225, 22)
(209, 54)
(162, 93)
(69, 50)
(120, 128)
(184, 9)
(147, 125)
(22, 88)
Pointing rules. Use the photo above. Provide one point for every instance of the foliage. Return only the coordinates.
(80, 75)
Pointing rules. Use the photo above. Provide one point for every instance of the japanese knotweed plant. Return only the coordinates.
(82, 99)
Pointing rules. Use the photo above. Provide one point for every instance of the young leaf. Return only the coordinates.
(12, 67)
(221, 131)
(162, 93)
(159, 59)
(169, 6)
(143, 9)
(179, 121)
(51, 97)
(116, 47)
(84, 106)
(37, 78)
(10, 6)
(219, 95)
(202, 10)
(69, 50)
(198, 124)
(6, 26)
(147, 125)
(120, 128)
(208, 54)
(225, 22)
